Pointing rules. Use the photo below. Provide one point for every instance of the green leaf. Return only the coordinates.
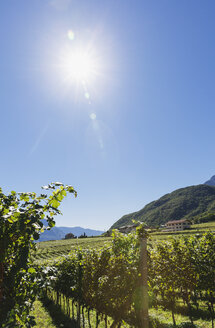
(55, 203)
(51, 223)
(36, 235)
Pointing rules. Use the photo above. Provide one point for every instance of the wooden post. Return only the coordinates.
(78, 314)
(144, 303)
(144, 275)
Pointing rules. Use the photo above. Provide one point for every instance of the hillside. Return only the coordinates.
(53, 234)
(180, 204)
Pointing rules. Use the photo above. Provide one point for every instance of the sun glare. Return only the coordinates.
(79, 65)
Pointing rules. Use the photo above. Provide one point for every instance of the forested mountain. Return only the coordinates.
(182, 203)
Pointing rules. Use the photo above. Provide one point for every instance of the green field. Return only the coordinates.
(194, 229)
(204, 226)
(49, 250)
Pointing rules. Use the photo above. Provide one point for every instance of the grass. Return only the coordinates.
(205, 226)
(42, 316)
(165, 318)
(49, 315)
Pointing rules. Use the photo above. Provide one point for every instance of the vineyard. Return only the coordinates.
(181, 273)
(195, 229)
(48, 250)
(98, 282)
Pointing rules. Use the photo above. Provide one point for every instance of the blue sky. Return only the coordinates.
(146, 126)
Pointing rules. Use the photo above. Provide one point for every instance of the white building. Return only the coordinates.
(177, 225)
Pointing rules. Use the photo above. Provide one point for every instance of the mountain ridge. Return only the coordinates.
(211, 182)
(57, 233)
(183, 203)
(77, 231)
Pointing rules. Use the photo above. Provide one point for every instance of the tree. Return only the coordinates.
(20, 226)
(70, 235)
(83, 235)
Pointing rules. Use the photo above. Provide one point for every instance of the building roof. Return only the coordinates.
(177, 221)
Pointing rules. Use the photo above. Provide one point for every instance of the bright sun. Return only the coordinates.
(79, 65)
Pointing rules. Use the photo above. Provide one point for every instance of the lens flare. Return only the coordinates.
(93, 116)
(71, 35)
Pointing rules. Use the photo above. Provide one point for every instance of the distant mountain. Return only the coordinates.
(77, 231)
(211, 182)
(57, 233)
(184, 203)
(53, 234)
